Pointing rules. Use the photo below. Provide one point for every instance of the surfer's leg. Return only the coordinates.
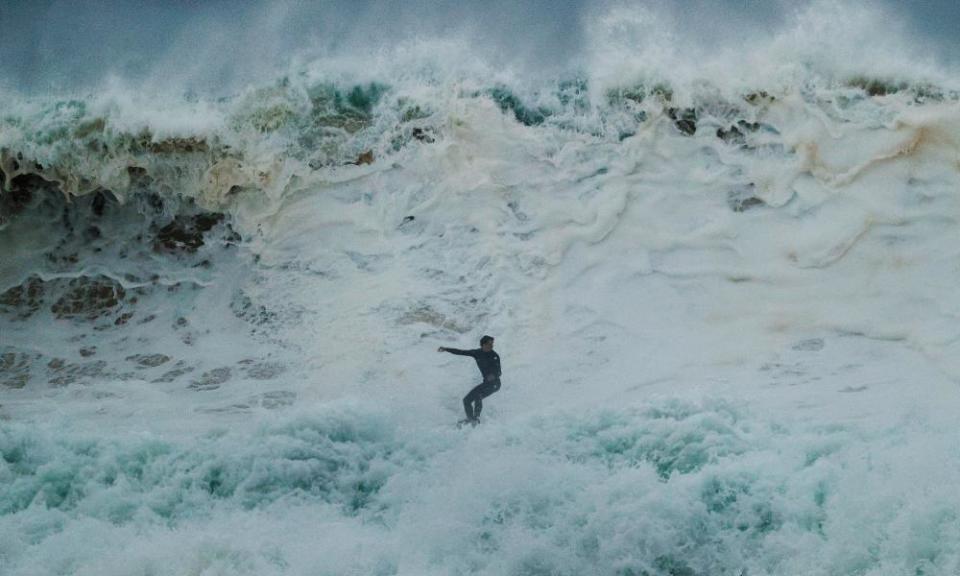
(484, 390)
(468, 402)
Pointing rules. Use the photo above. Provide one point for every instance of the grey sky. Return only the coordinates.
(64, 44)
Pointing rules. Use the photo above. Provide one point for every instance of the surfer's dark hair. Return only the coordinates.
(486, 339)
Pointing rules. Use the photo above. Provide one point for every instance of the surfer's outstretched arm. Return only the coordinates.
(457, 351)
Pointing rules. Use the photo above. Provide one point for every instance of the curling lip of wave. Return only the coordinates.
(285, 136)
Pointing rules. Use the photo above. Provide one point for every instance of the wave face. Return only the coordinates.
(722, 285)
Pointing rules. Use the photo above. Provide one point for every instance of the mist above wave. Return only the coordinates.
(216, 49)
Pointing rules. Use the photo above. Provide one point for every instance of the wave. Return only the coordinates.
(123, 201)
(308, 122)
(272, 140)
(219, 313)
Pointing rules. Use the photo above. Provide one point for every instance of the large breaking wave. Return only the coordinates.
(723, 286)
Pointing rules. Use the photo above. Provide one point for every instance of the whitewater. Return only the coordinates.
(722, 285)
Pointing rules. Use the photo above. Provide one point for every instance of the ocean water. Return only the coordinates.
(722, 285)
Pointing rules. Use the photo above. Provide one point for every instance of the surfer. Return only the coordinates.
(489, 363)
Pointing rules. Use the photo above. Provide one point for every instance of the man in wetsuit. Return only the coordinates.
(489, 363)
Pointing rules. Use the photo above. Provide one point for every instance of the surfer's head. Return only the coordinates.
(486, 343)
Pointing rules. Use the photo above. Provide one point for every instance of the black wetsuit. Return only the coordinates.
(489, 365)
